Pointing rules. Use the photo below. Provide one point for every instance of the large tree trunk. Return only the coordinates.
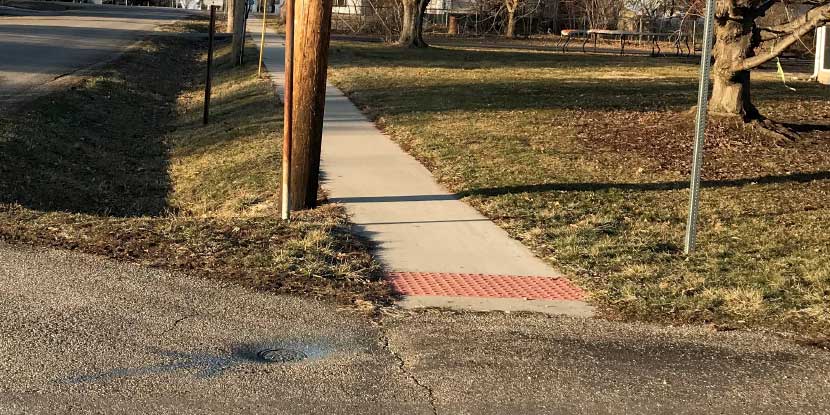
(313, 26)
(731, 97)
(741, 45)
(412, 24)
(511, 6)
(231, 15)
(238, 30)
(511, 24)
(733, 43)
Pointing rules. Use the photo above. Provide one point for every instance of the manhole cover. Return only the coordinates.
(281, 355)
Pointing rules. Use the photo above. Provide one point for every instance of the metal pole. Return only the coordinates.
(262, 42)
(288, 108)
(700, 126)
(209, 64)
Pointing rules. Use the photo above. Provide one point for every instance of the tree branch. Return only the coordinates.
(799, 27)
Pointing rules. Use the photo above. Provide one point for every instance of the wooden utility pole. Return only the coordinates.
(288, 108)
(238, 30)
(311, 40)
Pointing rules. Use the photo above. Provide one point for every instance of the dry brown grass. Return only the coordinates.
(122, 166)
(585, 159)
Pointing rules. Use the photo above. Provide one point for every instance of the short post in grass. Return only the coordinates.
(211, 33)
(288, 111)
(262, 42)
(700, 127)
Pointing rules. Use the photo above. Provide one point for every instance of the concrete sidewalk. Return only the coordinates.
(421, 230)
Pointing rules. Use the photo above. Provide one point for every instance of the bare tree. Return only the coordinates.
(231, 13)
(743, 43)
(239, 11)
(602, 14)
(412, 23)
(519, 9)
(652, 10)
(511, 6)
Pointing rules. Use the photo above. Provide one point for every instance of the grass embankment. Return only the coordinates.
(585, 159)
(121, 165)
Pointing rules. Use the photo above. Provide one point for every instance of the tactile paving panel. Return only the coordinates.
(486, 286)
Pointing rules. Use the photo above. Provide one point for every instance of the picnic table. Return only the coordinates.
(654, 38)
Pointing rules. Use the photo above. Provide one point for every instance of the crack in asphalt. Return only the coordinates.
(176, 323)
(402, 366)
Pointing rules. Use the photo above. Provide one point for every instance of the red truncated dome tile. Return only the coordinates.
(487, 286)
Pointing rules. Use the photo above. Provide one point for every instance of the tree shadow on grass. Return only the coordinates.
(97, 148)
(543, 94)
(467, 57)
(645, 187)
(552, 81)
(807, 128)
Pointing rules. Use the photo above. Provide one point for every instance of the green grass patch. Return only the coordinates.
(585, 159)
(120, 165)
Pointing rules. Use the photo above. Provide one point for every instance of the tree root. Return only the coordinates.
(779, 132)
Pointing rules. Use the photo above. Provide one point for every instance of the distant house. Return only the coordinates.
(822, 72)
(633, 21)
(190, 4)
(350, 7)
(443, 7)
(435, 7)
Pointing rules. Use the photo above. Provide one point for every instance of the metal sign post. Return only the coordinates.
(212, 32)
(700, 126)
(288, 107)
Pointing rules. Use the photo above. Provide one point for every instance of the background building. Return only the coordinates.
(822, 72)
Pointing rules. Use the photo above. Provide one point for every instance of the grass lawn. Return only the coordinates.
(585, 159)
(121, 165)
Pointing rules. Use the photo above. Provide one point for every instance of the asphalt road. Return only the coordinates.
(42, 47)
(86, 335)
